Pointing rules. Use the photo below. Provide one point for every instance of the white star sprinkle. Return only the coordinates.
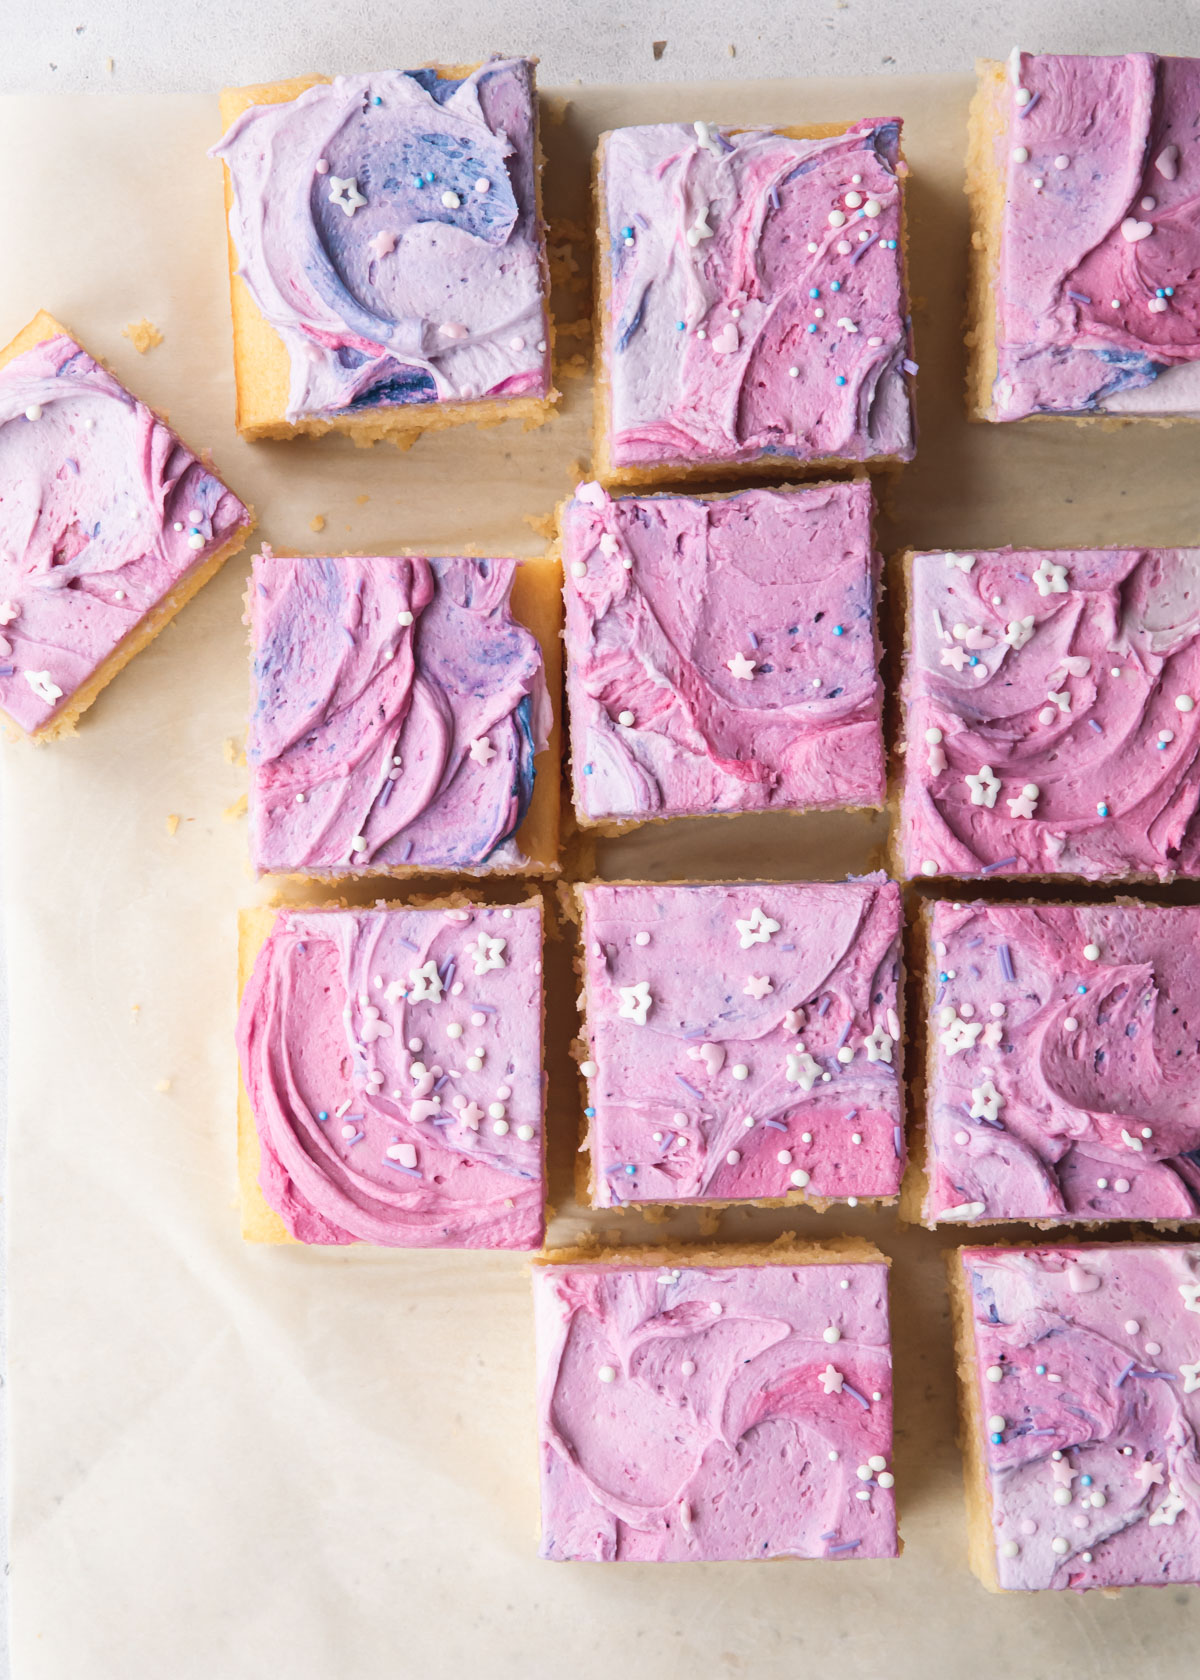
(705, 139)
(878, 1045)
(426, 983)
(986, 1101)
(488, 953)
(1148, 1473)
(741, 667)
(482, 751)
(802, 1070)
(1051, 578)
(1061, 699)
(757, 928)
(635, 1002)
(959, 1035)
(1191, 1295)
(1019, 631)
(1169, 1509)
(757, 986)
(964, 562)
(43, 685)
(984, 787)
(831, 1379)
(8, 611)
(1191, 1377)
(345, 193)
(699, 229)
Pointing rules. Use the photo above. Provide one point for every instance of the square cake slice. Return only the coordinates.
(742, 1041)
(392, 1088)
(1086, 237)
(1062, 1080)
(697, 1405)
(387, 251)
(751, 307)
(404, 716)
(1050, 714)
(722, 652)
(109, 524)
(1079, 1385)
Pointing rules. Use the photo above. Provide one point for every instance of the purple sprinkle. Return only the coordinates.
(1033, 1432)
(485, 1008)
(7, 670)
(753, 638)
(862, 249)
(823, 1006)
(641, 221)
(396, 1167)
(776, 1125)
(357, 1138)
(407, 943)
(845, 1034)
(898, 1139)
(845, 1546)
(972, 943)
(690, 1089)
(788, 947)
(446, 1120)
(853, 1114)
(1125, 1373)
(1098, 727)
(1079, 297)
(385, 794)
(975, 971)
(1022, 577)
(909, 365)
(773, 195)
(619, 1168)
(831, 1535)
(1024, 110)
(1001, 863)
(406, 851)
(1006, 965)
(855, 1395)
(352, 1117)
(442, 1081)
(1167, 1376)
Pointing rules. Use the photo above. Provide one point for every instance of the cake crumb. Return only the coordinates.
(317, 522)
(658, 48)
(362, 499)
(162, 1086)
(108, 66)
(135, 1010)
(574, 367)
(143, 335)
(172, 822)
(231, 813)
(542, 523)
(731, 50)
(708, 1222)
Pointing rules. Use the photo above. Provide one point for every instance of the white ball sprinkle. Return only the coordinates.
(784, 1157)
(477, 1019)
(1059, 1545)
(1022, 97)
(451, 200)
(740, 1070)
(1092, 952)
(1062, 161)
(1184, 703)
(872, 208)
(404, 618)
(1132, 1327)
(500, 1127)
(524, 1133)
(996, 1423)
(1010, 1547)
(497, 1110)
(793, 373)
(1070, 1024)
(625, 719)
(886, 1479)
(852, 200)
(837, 218)
(588, 1069)
(454, 1030)
(714, 1307)
(688, 1367)
(929, 867)
(1102, 1184)
(359, 843)
(805, 1137)
(34, 411)
(933, 737)
(607, 1374)
(800, 1178)
(347, 1131)
(831, 1334)
(299, 799)
(1062, 1496)
(1020, 154)
(845, 1054)
(877, 1463)
(579, 568)
(1121, 1185)
(994, 1373)
(834, 1455)
(641, 938)
(863, 1472)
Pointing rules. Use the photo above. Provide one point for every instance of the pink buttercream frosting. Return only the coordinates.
(1088, 1374)
(397, 711)
(726, 248)
(1064, 1080)
(699, 1413)
(387, 228)
(103, 512)
(721, 654)
(1097, 304)
(393, 1063)
(743, 1040)
(1074, 674)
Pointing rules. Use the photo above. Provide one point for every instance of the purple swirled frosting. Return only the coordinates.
(387, 228)
(757, 302)
(1097, 298)
(397, 710)
(1087, 1370)
(1063, 1082)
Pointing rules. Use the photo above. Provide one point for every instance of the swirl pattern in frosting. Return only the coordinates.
(393, 1063)
(721, 652)
(397, 711)
(1072, 679)
(1087, 1379)
(692, 1413)
(103, 513)
(756, 304)
(1097, 306)
(1063, 1080)
(743, 1041)
(387, 228)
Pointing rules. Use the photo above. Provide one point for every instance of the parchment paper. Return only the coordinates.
(235, 1463)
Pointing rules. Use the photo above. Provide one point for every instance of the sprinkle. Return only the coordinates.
(1001, 863)
(1080, 297)
(1004, 953)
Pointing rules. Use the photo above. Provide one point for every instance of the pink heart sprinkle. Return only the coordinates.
(726, 341)
(1133, 230)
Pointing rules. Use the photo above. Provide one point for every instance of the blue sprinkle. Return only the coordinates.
(997, 1440)
(1080, 297)
(1081, 990)
(322, 1114)
(681, 326)
(1086, 1481)
(974, 659)
(627, 233)
(1098, 727)
(590, 1112)
(1158, 292)
(841, 379)
(814, 291)
(376, 99)
(1040, 1370)
(588, 769)
(835, 286)
(631, 1171)
(891, 244)
(1170, 291)
(1102, 809)
(418, 181)
(839, 630)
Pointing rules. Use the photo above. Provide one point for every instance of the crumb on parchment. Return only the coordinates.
(143, 335)
(317, 522)
(172, 822)
(231, 813)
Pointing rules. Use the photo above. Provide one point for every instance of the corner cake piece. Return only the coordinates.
(1062, 1081)
(402, 719)
(696, 1405)
(387, 252)
(392, 1087)
(722, 652)
(1086, 237)
(751, 309)
(1050, 713)
(743, 1041)
(108, 526)
(1079, 1381)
